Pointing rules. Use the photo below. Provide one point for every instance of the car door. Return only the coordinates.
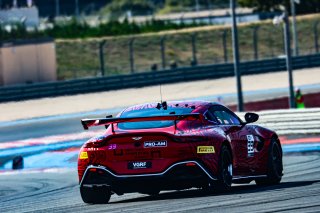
(255, 146)
(241, 140)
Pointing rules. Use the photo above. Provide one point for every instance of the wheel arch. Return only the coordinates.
(276, 138)
(227, 144)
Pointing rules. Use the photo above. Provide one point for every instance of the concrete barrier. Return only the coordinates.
(291, 121)
(311, 100)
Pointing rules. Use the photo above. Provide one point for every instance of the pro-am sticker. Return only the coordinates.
(150, 144)
(250, 142)
(205, 149)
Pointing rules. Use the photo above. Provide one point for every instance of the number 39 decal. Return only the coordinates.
(112, 146)
(250, 141)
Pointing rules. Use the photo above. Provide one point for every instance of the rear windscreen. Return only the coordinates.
(151, 112)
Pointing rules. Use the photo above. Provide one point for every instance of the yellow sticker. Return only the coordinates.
(205, 149)
(83, 155)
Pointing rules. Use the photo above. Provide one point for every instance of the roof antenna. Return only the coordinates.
(160, 94)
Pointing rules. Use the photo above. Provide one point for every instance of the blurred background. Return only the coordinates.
(104, 37)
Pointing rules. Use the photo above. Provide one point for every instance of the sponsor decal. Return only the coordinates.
(139, 165)
(205, 149)
(149, 144)
(83, 155)
(250, 140)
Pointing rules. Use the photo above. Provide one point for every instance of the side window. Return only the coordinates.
(219, 117)
(235, 120)
(210, 117)
(232, 120)
(224, 116)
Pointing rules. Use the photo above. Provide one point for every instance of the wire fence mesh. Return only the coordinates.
(209, 45)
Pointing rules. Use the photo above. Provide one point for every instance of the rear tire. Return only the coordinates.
(224, 177)
(275, 166)
(95, 195)
(225, 170)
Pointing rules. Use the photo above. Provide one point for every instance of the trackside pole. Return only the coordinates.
(287, 42)
(235, 44)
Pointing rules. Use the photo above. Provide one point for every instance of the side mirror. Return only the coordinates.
(251, 117)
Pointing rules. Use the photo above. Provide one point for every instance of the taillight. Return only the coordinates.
(93, 144)
(96, 142)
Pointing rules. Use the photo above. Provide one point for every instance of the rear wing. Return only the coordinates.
(86, 123)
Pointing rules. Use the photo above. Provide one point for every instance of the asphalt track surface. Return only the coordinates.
(40, 129)
(299, 191)
(58, 191)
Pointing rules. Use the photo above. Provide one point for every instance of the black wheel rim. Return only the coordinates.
(277, 160)
(226, 173)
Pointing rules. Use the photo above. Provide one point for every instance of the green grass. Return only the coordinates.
(80, 58)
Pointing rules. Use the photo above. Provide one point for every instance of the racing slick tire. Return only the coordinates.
(224, 178)
(275, 166)
(225, 170)
(95, 195)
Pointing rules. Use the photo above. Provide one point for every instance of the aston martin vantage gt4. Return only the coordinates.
(153, 147)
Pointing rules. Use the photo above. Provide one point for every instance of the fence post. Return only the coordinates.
(57, 8)
(163, 51)
(74, 73)
(194, 50)
(270, 44)
(77, 11)
(131, 55)
(182, 19)
(284, 41)
(224, 44)
(210, 17)
(101, 55)
(255, 42)
(316, 37)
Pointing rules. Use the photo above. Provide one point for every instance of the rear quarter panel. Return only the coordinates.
(264, 136)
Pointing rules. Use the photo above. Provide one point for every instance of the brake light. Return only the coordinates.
(96, 142)
(96, 170)
(93, 144)
(191, 164)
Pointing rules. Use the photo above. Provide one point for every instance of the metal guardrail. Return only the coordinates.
(50, 89)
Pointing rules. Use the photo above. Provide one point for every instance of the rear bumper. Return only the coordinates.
(180, 175)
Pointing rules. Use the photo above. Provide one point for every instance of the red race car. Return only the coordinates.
(179, 145)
